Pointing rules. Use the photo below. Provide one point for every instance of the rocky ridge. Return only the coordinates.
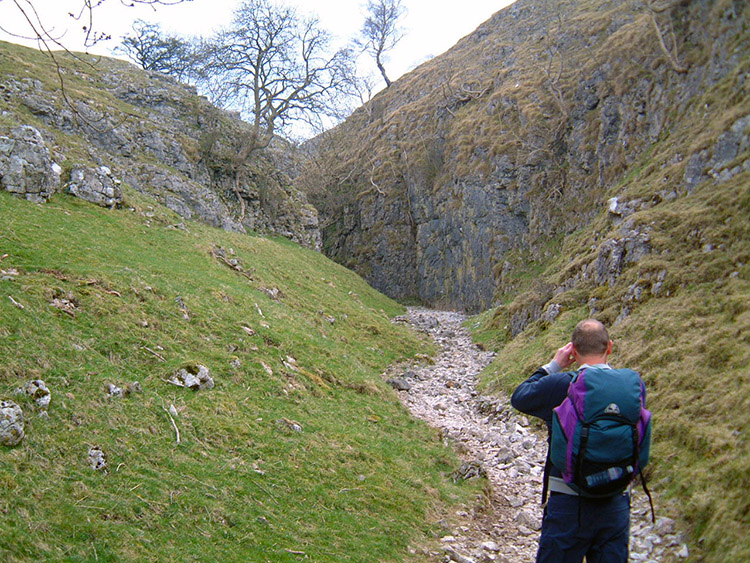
(125, 126)
(497, 442)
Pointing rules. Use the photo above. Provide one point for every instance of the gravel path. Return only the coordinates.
(498, 442)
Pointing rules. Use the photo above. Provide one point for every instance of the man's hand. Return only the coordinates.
(564, 356)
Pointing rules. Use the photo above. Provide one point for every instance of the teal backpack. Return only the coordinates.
(601, 433)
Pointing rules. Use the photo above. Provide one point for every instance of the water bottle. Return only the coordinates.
(606, 476)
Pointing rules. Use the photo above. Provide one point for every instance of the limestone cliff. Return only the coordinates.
(451, 184)
(95, 124)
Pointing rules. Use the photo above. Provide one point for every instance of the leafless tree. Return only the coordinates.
(276, 68)
(362, 88)
(381, 31)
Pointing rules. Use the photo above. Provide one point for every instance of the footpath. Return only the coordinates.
(495, 441)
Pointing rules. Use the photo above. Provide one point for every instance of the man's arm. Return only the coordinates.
(539, 394)
(530, 397)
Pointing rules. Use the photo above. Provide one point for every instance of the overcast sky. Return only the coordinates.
(432, 26)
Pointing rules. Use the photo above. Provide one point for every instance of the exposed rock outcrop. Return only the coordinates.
(197, 378)
(95, 185)
(452, 180)
(156, 136)
(26, 167)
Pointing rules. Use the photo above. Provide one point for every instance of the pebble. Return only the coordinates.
(511, 453)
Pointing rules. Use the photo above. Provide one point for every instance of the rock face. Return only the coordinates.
(154, 134)
(26, 168)
(447, 184)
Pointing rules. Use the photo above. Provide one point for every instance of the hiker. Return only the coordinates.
(578, 522)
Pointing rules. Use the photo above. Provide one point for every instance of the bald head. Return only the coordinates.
(590, 338)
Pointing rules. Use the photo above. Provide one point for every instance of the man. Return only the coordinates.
(574, 526)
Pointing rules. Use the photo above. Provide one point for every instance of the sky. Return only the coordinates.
(431, 26)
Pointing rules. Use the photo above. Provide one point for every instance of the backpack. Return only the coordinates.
(601, 432)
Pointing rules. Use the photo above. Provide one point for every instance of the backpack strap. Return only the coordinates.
(545, 478)
(581, 452)
(648, 494)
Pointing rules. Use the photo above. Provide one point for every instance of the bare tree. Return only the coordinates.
(381, 31)
(362, 88)
(153, 50)
(276, 68)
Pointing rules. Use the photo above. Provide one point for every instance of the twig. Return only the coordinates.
(16, 303)
(372, 181)
(265, 490)
(349, 490)
(199, 481)
(149, 502)
(3, 257)
(671, 57)
(154, 353)
(294, 552)
(174, 425)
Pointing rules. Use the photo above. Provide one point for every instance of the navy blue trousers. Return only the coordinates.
(574, 528)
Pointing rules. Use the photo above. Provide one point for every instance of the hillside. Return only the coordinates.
(106, 123)
(566, 160)
(152, 276)
(299, 449)
(449, 186)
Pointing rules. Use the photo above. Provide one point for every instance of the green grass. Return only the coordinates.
(361, 482)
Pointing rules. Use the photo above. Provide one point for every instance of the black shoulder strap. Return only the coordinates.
(648, 494)
(545, 479)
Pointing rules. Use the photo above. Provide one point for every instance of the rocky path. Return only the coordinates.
(495, 440)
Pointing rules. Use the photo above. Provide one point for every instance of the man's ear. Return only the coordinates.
(609, 348)
(575, 354)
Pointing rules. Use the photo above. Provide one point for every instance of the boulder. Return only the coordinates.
(399, 383)
(197, 378)
(97, 460)
(38, 391)
(26, 167)
(11, 424)
(95, 185)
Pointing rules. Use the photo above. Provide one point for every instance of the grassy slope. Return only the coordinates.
(357, 484)
(691, 341)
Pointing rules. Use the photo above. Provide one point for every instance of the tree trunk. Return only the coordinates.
(382, 71)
